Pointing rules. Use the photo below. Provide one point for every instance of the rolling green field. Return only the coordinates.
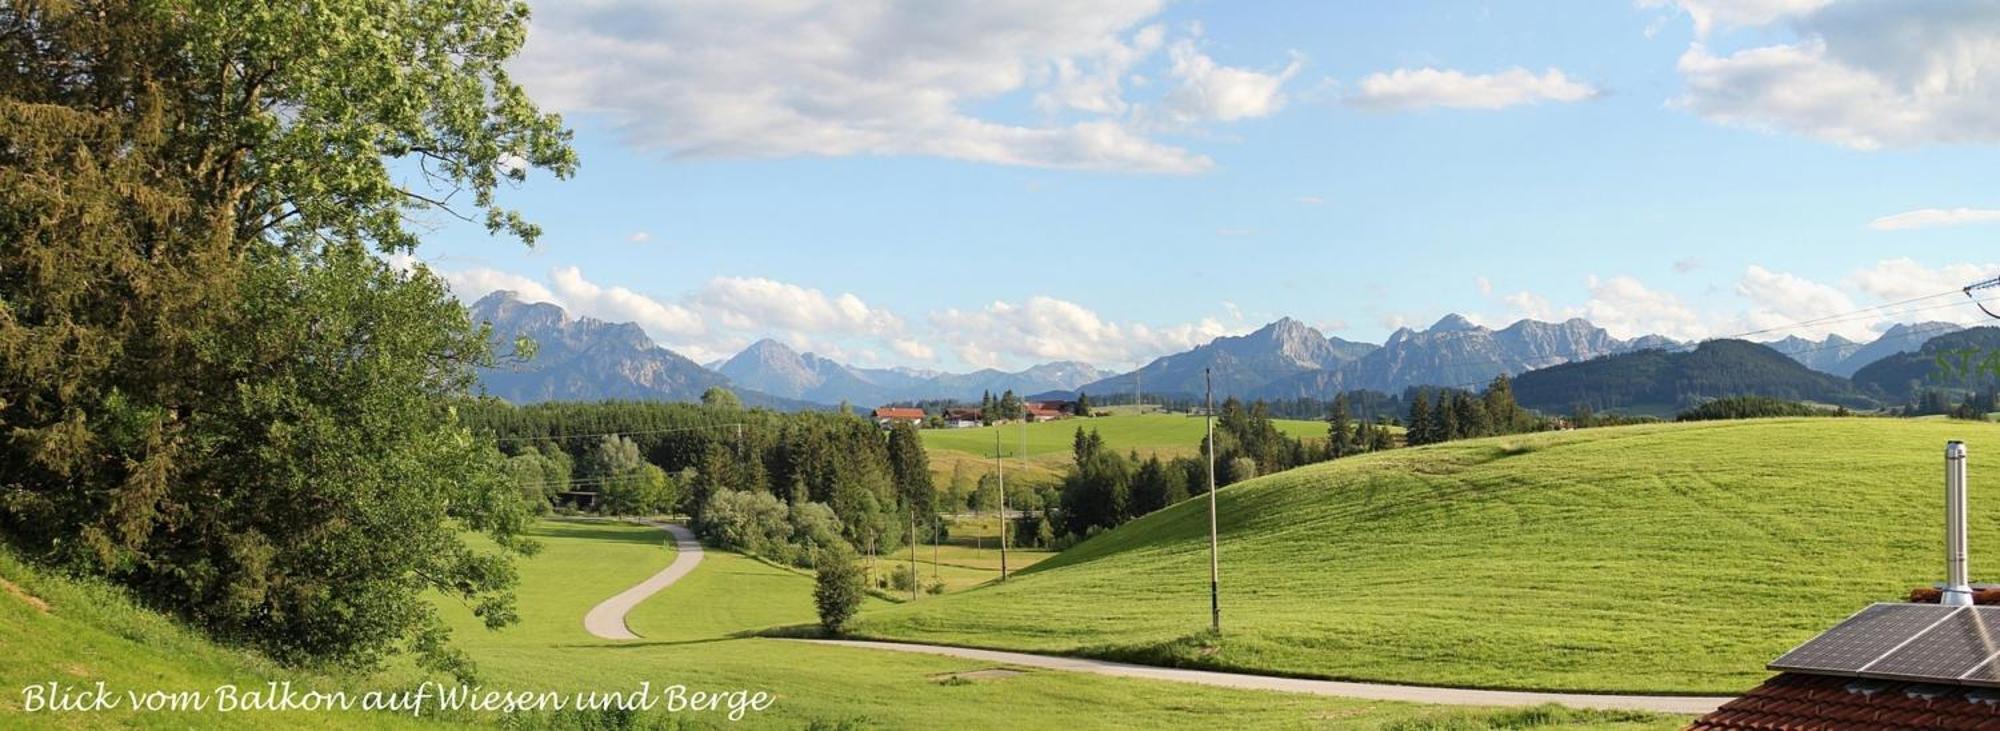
(1659, 558)
(1165, 434)
(696, 635)
(77, 633)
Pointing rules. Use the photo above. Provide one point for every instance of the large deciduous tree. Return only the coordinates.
(214, 387)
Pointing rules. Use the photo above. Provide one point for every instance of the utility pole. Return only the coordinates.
(1001, 466)
(1214, 563)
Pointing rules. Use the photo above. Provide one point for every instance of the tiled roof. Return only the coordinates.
(1801, 702)
(899, 413)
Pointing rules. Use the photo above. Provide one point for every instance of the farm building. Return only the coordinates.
(891, 414)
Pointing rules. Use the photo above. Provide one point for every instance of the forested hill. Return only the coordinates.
(1899, 377)
(1663, 380)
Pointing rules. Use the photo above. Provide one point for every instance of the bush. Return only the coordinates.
(903, 578)
(752, 522)
(838, 588)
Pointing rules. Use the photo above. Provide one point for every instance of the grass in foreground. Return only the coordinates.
(694, 635)
(91, 632)
(77, 633)
(1667, 558)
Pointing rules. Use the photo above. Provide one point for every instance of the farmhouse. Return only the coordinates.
(1040, 411)
(962, 418)
(888, 415)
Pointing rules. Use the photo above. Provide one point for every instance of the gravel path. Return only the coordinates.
(607, 619)
(1366, 691)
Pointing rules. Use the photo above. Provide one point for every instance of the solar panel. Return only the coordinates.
(1862, 639)
(1961, 643)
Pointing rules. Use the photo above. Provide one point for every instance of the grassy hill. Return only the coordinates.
(1165, 434)
(77, 633)
(1662, 558)
(698, 633)
(1658, 381)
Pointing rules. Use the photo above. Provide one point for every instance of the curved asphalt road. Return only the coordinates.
(607, 619)
(1365, 691)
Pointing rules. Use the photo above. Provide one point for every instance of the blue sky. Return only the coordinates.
(957, 185)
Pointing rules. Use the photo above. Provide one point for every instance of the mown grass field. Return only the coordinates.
(696, 635)
(1660, 558)
(1163, 434)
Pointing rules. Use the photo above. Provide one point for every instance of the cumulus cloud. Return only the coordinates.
(1045, 328)
(618, 304)
(1864, 75)
(1932, 217)
(1407, 89)
(751, 302)
(1208, 91)
(471, 284)
(735, 79)
(1782, 300)
(1903, 278)
(1708, 15)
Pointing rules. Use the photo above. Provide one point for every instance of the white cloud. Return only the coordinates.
(1686, 265)
(1709, 15)
(913, 349)
(1212, 92)
(754, 302)
(1902, 278)
(1310, 200)
(1863, 75)
(1045, 328)
(471, 284)
(1484, 285)
(745, 79)
(640, 237)
(1626, 307)
(580, 296)
(1405, 89)
(1931, 217)
(1782, 300)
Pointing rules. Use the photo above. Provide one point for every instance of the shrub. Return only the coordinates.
(752, 522)
(838, 588)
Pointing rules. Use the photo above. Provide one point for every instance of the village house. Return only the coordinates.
(889, 415)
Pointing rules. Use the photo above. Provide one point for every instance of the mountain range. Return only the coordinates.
(588, 359)
(1843, 357)
(1240, 363)
(772, 367)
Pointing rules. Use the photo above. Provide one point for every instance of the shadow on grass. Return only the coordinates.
(595, 531)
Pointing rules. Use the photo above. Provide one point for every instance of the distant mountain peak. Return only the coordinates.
(1452, 323)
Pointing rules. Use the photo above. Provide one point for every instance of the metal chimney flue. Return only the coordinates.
(1957, 588)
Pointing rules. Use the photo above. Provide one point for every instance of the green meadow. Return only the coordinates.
(1662, 558)
(1162, 434)
(697, 634)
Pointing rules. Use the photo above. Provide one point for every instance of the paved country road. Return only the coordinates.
(607, 619)
(1366, 691)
